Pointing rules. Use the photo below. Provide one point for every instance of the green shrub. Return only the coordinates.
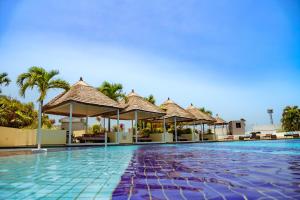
(15, 114)
(96, 129)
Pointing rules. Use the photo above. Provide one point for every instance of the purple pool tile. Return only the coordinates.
(210, 172)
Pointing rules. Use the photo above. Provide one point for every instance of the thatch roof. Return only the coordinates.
(133, 102)
(86, 100)
(174, 110)
(200, 116)
(219, 121)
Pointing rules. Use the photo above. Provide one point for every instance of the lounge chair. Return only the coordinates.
(295, 135)
(229, 137)
(244, 137)
(255, 135)
(179, 138)
(273, 137)
(288, 135)
(267, 136)
(92, 138)
(142, 138)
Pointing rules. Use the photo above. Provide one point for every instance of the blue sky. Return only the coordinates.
(237, 58)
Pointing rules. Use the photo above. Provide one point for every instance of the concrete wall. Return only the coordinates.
(53, 137)
(12, 137)
(75, 126)
(220, 131)
(265, 129)
(112, 137)
(156, 137)
(237, 131)
(169, 137)
(126, 137)
(189, 137)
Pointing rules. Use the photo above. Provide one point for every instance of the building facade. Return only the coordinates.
(237, 127)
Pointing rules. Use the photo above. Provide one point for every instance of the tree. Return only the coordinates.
(112, 90)
(15, 114)
(291, 118)
(4, 80)
(43, 80)
(150, 98)
(206, 111)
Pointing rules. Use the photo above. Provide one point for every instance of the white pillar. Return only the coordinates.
(108, 125)
(86, 124)
(202, 132)
(39, 133)
(104, 123)
(136, 124)
(118, 125)
(193, 136)
(70, 123)
(105, 133)
(164, 134)
(175, 127)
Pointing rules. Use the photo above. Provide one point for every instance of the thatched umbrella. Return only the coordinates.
(219, 122)
(201, 117)
(81, 100)
(136, 107)
(175, 114)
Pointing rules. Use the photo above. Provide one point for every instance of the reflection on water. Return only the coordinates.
(233, 170)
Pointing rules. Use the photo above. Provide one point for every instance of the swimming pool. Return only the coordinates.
(222, 170)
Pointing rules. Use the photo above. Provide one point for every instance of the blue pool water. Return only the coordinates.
(228, 170)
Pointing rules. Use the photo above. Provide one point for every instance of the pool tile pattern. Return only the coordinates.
(212, 171)
(87, 174)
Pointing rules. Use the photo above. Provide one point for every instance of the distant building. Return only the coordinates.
(237, 127)
(266, 129)
(77, 123)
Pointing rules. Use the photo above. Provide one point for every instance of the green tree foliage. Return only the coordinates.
(96, 128)
(291, 118)
(206, 111)
(4, 80)
(112, 90)
(15, 114)
(150, 98)
(41, 79)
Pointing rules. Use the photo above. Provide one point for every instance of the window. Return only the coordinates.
(238, 125)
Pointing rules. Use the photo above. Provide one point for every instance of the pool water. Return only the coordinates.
(91, 173)
(223, 170)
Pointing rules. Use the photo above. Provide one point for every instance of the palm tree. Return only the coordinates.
(4, 80)
(291, 118)
(150, 98)
(113, 91)
(43, 80)
(206, 111)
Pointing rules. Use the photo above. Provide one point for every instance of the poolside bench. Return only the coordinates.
(244, 137)
(182, 139)
(293, 135)
(229, 137)
(273, 137)
(255, 135)
(267, 136)
(288, 135)
(142, 138)
(92, 138)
